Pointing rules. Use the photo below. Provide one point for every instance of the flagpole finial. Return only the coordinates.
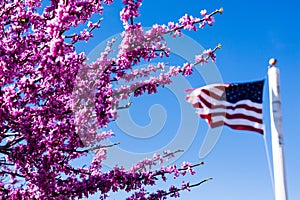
(272, 62)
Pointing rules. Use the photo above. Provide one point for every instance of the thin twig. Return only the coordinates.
(198, 21)
(194, 185)
(124, 107)
(97, 147)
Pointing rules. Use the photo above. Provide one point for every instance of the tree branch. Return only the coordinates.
(124, 107)
(198, 21)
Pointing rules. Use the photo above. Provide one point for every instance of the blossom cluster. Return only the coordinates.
(53, 104)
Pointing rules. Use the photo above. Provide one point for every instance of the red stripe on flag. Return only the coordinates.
(244, 106)
(238, 127)
(232, 116)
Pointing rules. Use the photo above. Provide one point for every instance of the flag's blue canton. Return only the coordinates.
(244, 91)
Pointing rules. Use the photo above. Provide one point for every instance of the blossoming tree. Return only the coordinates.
(53, 104)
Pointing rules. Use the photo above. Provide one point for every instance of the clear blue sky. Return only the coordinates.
(251, 32)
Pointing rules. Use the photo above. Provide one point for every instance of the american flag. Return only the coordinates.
(238, 106)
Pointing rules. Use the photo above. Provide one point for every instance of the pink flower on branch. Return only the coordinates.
(54, 105)
(189, 22)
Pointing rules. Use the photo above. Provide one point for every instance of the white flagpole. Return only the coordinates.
(276, 132)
